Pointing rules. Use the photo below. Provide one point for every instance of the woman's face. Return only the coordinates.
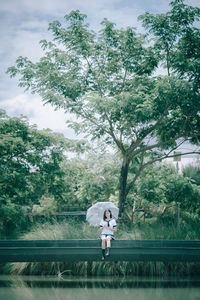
(107, 214)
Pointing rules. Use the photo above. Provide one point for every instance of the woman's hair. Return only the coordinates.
(104, 214)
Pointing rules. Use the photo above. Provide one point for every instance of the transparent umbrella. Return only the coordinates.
(95, 212)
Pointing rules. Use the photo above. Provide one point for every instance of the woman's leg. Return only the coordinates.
(103, 246)
(103, 242)
(108, 239)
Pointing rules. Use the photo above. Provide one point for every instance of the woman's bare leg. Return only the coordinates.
(108, 245)
(103, 243)
(103, 246)
(108, 241)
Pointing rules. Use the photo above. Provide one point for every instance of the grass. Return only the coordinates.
(82, 230)
(60, 231)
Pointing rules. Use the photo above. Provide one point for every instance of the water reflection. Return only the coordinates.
(74, 288)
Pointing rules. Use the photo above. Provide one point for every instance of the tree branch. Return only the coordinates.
(86, 116)
(161, 143)
(95, 75)
(124, 79)
(118, 142)
(164, 211)
(129, 187)
(110, 132)
(134, 145)
(142, 166)
(169, 156)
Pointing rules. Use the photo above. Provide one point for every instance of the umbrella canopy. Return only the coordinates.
(95, 212)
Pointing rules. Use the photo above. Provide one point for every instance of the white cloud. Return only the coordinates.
(26, 43)
(44, 116)
(53, 7)
(37, 6)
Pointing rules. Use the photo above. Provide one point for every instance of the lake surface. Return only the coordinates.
(98, 288)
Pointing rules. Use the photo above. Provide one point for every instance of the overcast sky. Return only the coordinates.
(25, 22)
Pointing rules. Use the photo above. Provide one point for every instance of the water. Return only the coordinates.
(98, 288)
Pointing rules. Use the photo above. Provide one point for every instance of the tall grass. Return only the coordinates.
(62, 230)
(82, 230)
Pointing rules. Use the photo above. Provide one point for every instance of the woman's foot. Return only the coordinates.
(107, 251)
(103, 254)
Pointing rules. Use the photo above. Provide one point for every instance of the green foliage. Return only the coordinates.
(176, 38)
(30, 163)
(90, 179)
(192, 173)
(159, 194)
(161, 187)
(37, 178)
(47, 205)
(105, 80)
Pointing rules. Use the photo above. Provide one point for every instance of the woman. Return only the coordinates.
(107, 227)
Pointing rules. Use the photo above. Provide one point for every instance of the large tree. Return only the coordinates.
(105, 79)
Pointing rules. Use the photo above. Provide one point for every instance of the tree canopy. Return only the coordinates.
(107, 80)
(30, 167)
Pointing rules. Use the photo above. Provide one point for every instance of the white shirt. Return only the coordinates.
(111, 223)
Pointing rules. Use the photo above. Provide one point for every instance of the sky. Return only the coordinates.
(23, 23)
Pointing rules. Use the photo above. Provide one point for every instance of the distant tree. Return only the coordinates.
(30, 167)
(105, 80)
(162, 187)
(97, 178)
(192, 172)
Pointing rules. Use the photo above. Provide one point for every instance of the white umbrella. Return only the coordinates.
(95, 212)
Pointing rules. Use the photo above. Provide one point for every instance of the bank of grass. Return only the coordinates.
(166, 230)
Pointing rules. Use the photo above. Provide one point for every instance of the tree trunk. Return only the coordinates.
(123, 185)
